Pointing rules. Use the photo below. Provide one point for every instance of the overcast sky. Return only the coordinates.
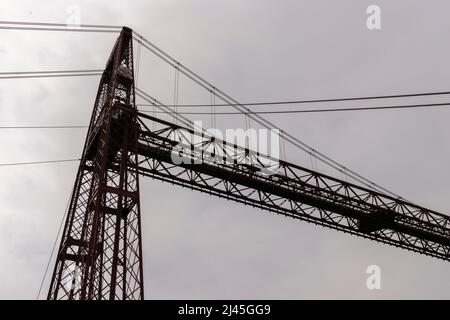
(196, 246)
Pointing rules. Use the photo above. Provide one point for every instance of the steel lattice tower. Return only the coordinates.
(100, 255)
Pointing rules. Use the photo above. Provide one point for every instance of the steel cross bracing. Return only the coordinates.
(100, 254)
(228, 171)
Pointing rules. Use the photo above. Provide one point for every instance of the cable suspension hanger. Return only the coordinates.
(257, 118)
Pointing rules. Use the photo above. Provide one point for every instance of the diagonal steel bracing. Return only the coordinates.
(225, 170)
(100, 255)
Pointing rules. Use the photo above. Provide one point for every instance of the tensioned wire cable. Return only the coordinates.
(55, 242)
(310, 101)
(50, 24)
(190, 124)
(91, 72)
(43, 127)
(248, 112)
(58, 29)
(94, 72)
(37, 26)
(11, 164)
(257, 118)
(50, 74)
(48, 71)
(187, 122)
(233, 113)
(317, 110)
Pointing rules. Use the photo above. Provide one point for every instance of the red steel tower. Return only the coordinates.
(100, 255)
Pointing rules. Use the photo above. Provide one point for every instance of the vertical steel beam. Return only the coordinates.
(100, 254)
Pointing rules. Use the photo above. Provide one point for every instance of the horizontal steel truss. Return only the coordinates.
(235, 173)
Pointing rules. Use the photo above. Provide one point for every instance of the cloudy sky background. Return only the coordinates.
(196, 246)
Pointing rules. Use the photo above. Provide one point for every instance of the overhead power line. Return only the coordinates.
(311, 100)
(36, 162)
(43, 127)
(238, 113)
(36, 26)
(50, 74)
(54, 246)
(58, 29)
(46, 72)
(315, 110)
(50, 24)
(218, 93)
(257, 118)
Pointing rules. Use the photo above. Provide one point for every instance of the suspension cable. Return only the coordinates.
(260, 120)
